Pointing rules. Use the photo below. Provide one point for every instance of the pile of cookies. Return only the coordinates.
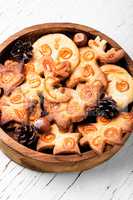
(62, 94)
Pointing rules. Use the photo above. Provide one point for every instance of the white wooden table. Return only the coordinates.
(112, 180)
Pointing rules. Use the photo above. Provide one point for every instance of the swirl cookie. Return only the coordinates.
(106, 131)
(87, 70)
(120, 85)
(61, 143)
(59, 47)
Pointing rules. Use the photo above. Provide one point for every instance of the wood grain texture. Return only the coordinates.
(112, 179)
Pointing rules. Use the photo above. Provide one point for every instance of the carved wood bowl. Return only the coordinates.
(47, 162)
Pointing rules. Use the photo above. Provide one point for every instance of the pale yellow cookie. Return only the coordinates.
(58, 46)
(120, 85)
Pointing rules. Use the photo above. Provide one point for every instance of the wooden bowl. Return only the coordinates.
(46, 162)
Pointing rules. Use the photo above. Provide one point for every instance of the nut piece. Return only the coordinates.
(42, 124)
(80, 39)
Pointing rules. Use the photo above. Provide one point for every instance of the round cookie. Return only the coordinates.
(120, 85)
(58, 46)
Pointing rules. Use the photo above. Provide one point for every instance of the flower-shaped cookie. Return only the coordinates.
(106, 131)
(61, 143)
(10, 76)
(120, 85)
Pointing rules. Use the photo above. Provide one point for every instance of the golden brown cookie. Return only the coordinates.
(120, 85)
(87, 70)
(14, 107)
(83, 99)
(110, 56)
(61, 143)
(106, 131)
(10, 76)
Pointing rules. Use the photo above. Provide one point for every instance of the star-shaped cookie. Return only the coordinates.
(106, 131)
(61, 143)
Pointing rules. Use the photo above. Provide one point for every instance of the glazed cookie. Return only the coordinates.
(106, 131)
(120, 85)
(87, 70)
(60, 142)
(59, 47)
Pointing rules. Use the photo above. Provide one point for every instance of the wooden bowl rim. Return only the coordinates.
(10, 142)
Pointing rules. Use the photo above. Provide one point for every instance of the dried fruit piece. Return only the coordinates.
(42, 124)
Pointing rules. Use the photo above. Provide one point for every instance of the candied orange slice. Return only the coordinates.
(111, 132)
(89, 55)
(48, 138)
(88, 71)
(97, 141)
(122, 86)
(65, 53)
(69, 143)
(87, 129)
(16, 99)
(7, 77)
(103, 120)
(46, 50)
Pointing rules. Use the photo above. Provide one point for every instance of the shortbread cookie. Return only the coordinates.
(61, 143)
(110, 56)
(14, 107)
(10, 76)
(59, 47)
(120, 85)
(106, 131)
(87, 70)
(83, 99)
